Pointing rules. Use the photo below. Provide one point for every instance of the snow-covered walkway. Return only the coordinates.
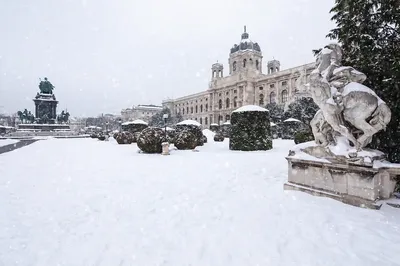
(85, 202)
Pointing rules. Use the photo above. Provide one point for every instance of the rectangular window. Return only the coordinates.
(272, 86)
(284, 83)
(227, 93)
(234, 91)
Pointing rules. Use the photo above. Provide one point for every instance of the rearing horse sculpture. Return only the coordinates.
(341, 97)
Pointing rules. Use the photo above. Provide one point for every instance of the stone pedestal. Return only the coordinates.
(358, 185)
(46, 104)
(165, 148)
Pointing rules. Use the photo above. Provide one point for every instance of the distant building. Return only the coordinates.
(246, 84)
(143, 112)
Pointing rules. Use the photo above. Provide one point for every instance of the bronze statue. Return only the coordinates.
(46, 87)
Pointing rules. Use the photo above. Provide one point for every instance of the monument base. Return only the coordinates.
(355, 183)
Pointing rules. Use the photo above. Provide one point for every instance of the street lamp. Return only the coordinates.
(165, 117)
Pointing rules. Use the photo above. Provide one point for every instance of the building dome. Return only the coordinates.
(245, 44)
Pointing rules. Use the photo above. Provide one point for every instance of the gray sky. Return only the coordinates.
(105, 55)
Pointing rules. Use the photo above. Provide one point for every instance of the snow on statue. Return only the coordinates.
(345, 104)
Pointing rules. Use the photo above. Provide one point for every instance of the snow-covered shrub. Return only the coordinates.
(115, 135)
(214, 128)
(204, 138)
(291, 126)
(150, 139)
(226, 129)
(102, 137)
(218, 137)
(193, 127)
(303, 136)
(250, 129)
(135, 136)
(185, 140)
(134, 126)
(93, 136)
(124, 138)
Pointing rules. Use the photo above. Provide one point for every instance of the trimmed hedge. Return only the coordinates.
(185, 140)
(218, 137)
(250, 131)
(195, 130)
(124, 138)
(303, 136)
(150, 139)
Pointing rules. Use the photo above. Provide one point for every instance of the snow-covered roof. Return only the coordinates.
(137, 121)
(189, 122)
(169, 129)
(292, 120)
(251, 108)
(214, 124)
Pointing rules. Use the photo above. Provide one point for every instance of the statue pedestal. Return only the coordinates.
(46, 104)
(357, 184)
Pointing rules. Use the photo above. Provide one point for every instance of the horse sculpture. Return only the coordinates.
(342, 99)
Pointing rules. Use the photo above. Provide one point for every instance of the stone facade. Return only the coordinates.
(143, 112)
(246, 84)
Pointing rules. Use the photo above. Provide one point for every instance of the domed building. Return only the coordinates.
(246, 84)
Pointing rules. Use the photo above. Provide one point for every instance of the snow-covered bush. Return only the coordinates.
(134, 126)
(204, 139)
(218, 137)
(193, 127)
(250, 129)
(303, 136)
(185, 140)
(101, 137)
(290, 127)
(214, 128)
(150, 139)
(226, 129)
(124, 138)
(93, 136)
(135, 136)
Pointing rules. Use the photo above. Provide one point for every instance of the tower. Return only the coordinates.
(245, 57)
(217, 71)
(273, 66)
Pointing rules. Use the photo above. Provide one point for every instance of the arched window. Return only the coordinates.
(201, 120)
(272, 97)
(244, 62)
(220, 104)
(261, 102)
(191, 110)
(220, 118)
(205, 121)
(227, 103)
(196, 109)
(257, 65)
(234, 66)
(206, 107)
(183, 111)
(235, 101)
(284, 96)
(227, 118)
(201, 108)
(187, 110)
(213, 75)
(220, 73)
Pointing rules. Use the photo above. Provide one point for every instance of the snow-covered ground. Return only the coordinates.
(87, 202)
(5, 142)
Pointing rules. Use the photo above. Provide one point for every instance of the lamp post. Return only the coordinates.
(165, 144)
(165, 117)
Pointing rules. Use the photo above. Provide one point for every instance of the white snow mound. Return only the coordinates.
(189, 122)
(251, 108)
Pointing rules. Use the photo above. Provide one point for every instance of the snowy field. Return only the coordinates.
(85, 202)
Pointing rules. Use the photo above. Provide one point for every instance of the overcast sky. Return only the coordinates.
(105, 55)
